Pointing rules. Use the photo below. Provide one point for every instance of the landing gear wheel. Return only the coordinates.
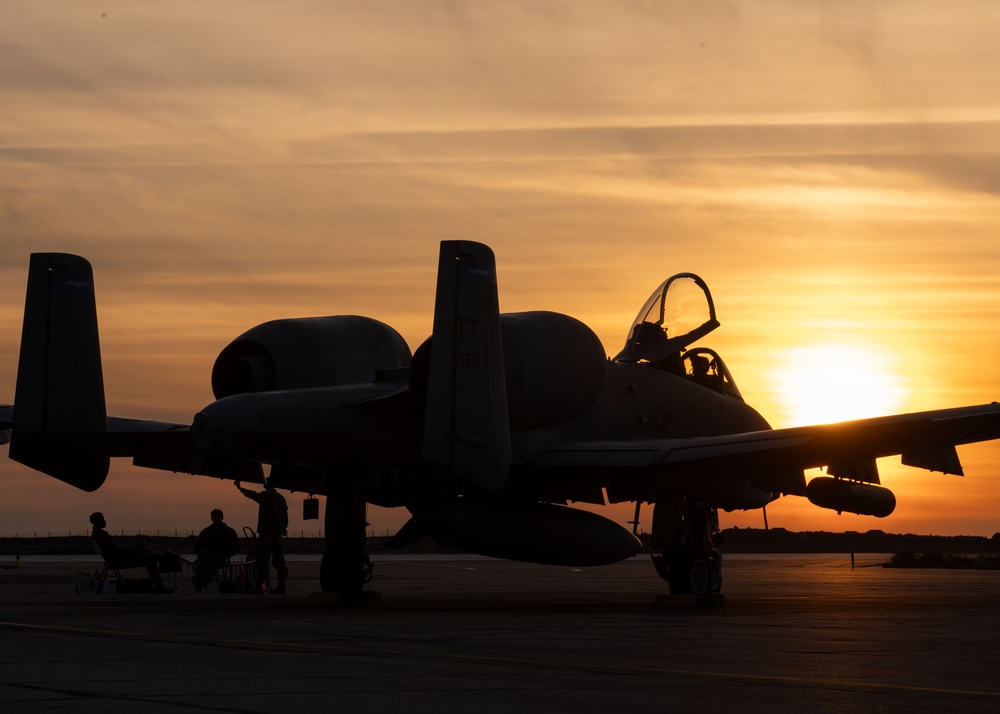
(683, 530)
(689, 574)
(700, 576)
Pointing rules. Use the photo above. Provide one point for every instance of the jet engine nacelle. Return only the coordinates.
(861, 498)
(307, 352)
(554, 368)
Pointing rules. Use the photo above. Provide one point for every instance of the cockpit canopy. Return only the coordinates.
(678, 312)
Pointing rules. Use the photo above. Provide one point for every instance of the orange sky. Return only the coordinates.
(830, 168)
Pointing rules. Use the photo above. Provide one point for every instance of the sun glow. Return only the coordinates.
(819, 384)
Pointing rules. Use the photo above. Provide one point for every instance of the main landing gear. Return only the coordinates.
(346, 568)
(690, 563)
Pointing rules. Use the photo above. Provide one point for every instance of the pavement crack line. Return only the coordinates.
(90, 695)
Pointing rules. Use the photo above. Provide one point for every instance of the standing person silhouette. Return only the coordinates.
(272, 526)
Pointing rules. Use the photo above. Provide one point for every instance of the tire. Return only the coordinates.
(700, 575)
(690, 574)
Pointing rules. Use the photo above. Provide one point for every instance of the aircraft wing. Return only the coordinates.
(925, 440)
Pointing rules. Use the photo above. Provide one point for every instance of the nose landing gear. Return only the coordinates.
(689, 561)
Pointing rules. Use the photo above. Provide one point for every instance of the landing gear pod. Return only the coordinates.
(851, 496)
(545, 533)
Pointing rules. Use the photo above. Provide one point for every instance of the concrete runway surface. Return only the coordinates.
(797, 633)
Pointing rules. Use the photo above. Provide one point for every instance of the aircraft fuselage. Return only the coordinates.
(353, 427)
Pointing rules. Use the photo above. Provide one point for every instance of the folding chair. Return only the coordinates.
(169, 563)
(109, 565)
(243, 572)
(237, 571)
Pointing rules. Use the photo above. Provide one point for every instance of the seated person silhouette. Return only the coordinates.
(127, 556)
(701, 371)
(215, 545)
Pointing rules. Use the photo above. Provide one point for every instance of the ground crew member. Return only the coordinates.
(272, 526)
(127, 556)
(215, 545)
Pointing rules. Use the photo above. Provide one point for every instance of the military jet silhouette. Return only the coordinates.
(484, 434)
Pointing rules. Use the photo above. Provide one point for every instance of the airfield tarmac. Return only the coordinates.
(797, 633)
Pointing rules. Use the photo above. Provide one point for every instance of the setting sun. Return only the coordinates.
(824, 383)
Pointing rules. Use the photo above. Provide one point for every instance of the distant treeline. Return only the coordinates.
(949, 561)
(779, 540)
(734, 540)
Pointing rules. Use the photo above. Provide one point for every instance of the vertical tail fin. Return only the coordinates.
(466, 431)
(60, 384)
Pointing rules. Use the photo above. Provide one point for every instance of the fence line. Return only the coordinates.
(157, 533)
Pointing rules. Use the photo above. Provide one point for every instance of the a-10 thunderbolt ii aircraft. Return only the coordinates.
(484, 434)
